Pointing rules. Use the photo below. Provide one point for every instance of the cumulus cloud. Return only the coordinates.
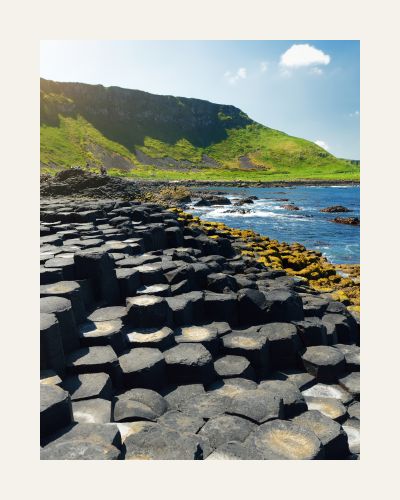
(240, 74)
(322, 144)
(263, 66)
(303, 55)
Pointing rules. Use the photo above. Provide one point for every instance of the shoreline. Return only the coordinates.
(246, 184)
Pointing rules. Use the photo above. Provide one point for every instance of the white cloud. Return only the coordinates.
(240, 74)
(322, 144)
(353, 115)
(303, 54)
(263, 66)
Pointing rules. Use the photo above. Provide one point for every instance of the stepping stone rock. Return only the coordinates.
(351, 383)
(351, 355)
(108, 314)
(204, 335)
(139, 404)
(85, 442)
(224, 428)
(159, 442)
(148, 311)
(352, 428)
(257, 406)
(103, 333)
(92, 411)
(51, 348)
(128, 281)
(49, 377)
(221, 307)
(97, 359)
(55, 409)
(70, 290)
(330, 407)
(159, 338)
(177, 395)
(62, 308)
(88, 386)
(207, 406)
(301, 379)
(329, 391)
(181, 422)
(143, 367)
(98, 266)
(189, 363)
(325, 363)
(283, 305)
(282, 440)
(252, 346)
(354, 410)
(293, 401)
(312, 332)
(234, 366)
(284, 344)
(160, 290)
(329, 432)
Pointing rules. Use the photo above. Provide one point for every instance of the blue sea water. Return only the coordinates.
(338, 242)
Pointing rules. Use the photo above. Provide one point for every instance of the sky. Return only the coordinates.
(306, 88)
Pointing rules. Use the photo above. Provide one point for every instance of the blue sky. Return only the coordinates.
(309, 89)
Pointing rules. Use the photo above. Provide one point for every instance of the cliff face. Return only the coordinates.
(128, 116)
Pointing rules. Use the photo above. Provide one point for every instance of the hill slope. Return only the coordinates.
(135, 133)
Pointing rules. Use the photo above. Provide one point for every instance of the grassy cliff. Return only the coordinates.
(134, 133)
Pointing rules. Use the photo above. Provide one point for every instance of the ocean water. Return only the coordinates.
(338, 242)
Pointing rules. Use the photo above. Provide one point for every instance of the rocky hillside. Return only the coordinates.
(137, 133)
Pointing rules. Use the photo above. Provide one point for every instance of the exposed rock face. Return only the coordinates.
(351, 221)
(170, 345)
(335, 208)
(290, 207)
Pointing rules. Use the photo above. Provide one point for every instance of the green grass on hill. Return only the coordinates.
(276, 156)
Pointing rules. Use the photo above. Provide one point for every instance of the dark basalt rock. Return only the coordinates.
(194, 350)
(335, 209)
(351, 221)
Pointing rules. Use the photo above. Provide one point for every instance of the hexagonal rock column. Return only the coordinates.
(92, 411)
(51, 349)
(88, 386)
(181, 422)
(284, 344)
(283, 440)
(221, 307)
(207, 336)
(160, 338)
(94, 360)
(208, 405)
(224, 428)
(283, 305)
(257, 406)
(55, 409)
(175, 395)
(329, 391)
(148, 311)
(293, 401)
(329, 432)
(143, 367)
(312, 332)
(70, 290)
(351, 383)
(330, 407)
(103, 333)
(128, 281)
(234, 366)
(252, 346)
(85, 442)
(158, 442)
(351, 355)
(62, 308)
(139, 404)
(98, 267)
(189, 363)
(325, 363)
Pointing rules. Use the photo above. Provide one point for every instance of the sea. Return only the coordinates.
(339, 243)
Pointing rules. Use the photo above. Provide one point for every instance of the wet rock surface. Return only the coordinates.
(160, 342)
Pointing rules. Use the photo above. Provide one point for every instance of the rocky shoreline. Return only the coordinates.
(164, 337)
